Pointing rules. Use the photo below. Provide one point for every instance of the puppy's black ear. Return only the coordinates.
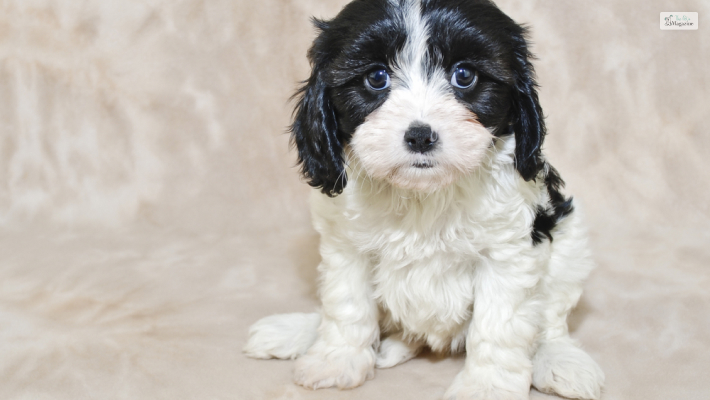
(314, 131)
(528, 120)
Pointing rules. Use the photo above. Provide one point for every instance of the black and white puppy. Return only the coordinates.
(441, 223)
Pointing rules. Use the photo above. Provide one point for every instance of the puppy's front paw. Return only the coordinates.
(561, 367)
(328, 366)
(489, 384)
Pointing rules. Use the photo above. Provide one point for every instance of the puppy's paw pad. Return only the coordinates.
(566, 370)
(344, 368)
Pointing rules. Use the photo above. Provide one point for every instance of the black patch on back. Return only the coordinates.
(548, 215)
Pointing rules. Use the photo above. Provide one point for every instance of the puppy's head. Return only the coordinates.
(415, 91)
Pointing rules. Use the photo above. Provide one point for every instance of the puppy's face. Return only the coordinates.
(415, 92)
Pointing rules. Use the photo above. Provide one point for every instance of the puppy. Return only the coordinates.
(441, 223)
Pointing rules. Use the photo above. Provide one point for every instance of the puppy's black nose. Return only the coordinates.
(420, 138)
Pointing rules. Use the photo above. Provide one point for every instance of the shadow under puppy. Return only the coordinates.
(441, 223)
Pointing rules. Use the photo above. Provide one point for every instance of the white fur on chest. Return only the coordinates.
(429, 298)
(423, 266)
(422, 261)
(422, 271)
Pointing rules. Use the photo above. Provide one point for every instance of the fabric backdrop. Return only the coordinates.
(150, 210)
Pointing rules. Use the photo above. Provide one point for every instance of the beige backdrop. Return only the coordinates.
(150, 211)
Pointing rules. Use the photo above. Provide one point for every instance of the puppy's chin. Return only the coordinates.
(421, 177)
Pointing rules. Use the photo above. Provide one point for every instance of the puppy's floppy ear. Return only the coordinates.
(315, 128)
(528, 120)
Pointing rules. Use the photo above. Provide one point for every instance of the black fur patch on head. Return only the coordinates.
(549, 215)
(478, 34)
(334, 100)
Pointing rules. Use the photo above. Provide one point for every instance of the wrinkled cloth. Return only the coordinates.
(151, 211)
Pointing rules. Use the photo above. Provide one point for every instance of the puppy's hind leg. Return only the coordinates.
(559, 365)
(282, 336)
(395, 350)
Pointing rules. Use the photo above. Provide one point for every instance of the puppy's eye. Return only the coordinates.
(378, 79)
(464, 77)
